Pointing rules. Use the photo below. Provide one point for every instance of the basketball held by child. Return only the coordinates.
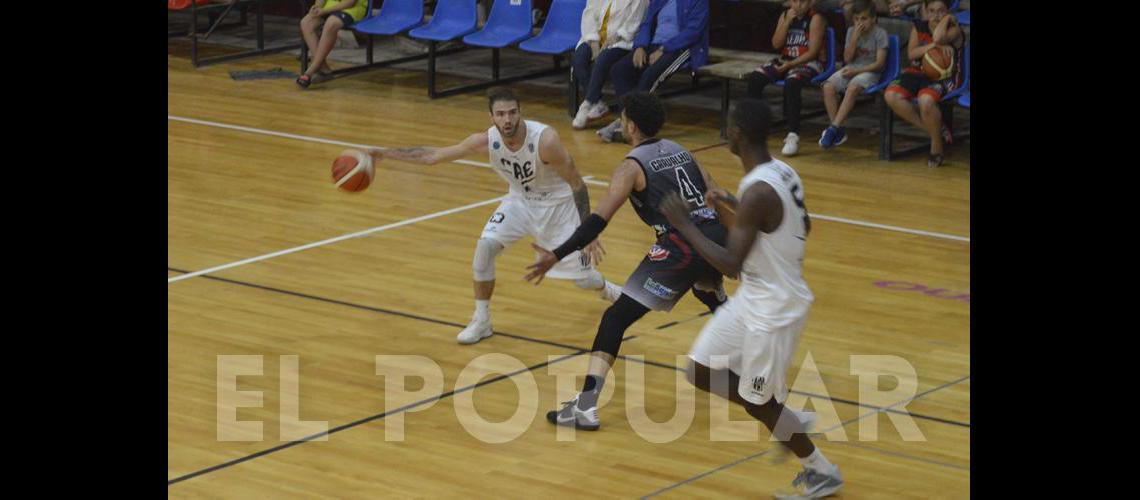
(936, 65)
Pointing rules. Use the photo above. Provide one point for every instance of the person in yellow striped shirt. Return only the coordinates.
(336, 14)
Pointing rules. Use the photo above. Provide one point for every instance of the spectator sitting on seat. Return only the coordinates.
(672, 32)
(799, 38)
(608, 27)
(865, 54)
(939, 29)
(336, 14)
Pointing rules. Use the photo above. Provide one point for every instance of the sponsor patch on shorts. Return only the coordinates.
(659, 290)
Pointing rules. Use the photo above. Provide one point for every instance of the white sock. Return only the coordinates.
(817, 462)
(482, 309)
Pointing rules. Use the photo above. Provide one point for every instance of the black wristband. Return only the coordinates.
(587, 232)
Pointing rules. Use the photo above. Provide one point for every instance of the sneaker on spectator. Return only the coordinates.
(827, 138)
(840, 137)
(611, 132)
(598, 110)
(791, 144)
(579, 121)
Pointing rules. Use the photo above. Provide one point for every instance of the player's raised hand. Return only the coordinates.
(674, 208)
(594, 252)
(546, 260)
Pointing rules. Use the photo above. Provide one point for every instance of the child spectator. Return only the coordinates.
(799, 38)
(865, 55)
(939, 31)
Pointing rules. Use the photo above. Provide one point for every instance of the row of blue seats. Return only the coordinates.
(510, 23)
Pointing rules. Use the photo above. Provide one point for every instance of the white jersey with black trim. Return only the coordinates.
(772, 281)
(524, 171)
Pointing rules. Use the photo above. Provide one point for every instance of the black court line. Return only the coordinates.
(366, 420)
(382, 310)
(541, 341)
(814, 434)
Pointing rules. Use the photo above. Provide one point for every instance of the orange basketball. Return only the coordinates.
(352, 171)
(936, 65)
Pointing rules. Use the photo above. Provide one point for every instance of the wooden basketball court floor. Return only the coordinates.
(299, 274)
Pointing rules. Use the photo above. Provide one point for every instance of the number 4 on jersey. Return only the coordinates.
(688, 190)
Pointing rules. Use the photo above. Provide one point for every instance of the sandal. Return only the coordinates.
(934, 161)
(304, 81)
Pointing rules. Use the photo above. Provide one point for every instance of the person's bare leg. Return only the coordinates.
(853, 93)
(769, 413)
(931, 122)
(484, 289)
(309, 25)
(333, 24)
(830, 101)
(904, 109)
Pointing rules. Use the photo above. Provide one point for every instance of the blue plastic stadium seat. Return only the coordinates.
(395, 16)
(452, 19)
(964, 101)
(964, 18)
(507, 24)
(562, 30)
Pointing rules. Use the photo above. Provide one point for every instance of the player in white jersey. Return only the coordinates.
(547, 200)
(751, 340)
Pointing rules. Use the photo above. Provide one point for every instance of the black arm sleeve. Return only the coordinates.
(587, 232)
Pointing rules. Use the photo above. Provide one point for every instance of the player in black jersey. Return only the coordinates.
(654, 168)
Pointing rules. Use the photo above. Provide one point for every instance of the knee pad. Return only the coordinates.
(483, 266)
(615, 321)
(594, 281)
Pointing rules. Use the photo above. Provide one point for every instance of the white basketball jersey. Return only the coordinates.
(524, 171)
(772, 274)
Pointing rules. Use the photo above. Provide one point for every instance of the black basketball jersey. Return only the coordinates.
(668, 167)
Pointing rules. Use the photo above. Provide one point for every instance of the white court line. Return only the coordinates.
(333, 240)
(588, 179)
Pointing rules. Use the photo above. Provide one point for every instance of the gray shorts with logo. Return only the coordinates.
(672, 267)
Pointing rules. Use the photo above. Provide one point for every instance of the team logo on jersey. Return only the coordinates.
(659, 290)
(758, 384)
(523, 173)
(497, 218)
(658, 254)
(495, 145)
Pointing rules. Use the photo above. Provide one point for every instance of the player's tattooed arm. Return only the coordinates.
(416, 154)
(427, 155)
(582, 201)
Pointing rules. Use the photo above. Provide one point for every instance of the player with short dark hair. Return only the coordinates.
(654, 168)
(547, 200)
(751, 340)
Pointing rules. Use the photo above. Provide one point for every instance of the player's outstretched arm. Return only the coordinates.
(627, 177)
(428, 155)
(760, 210)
